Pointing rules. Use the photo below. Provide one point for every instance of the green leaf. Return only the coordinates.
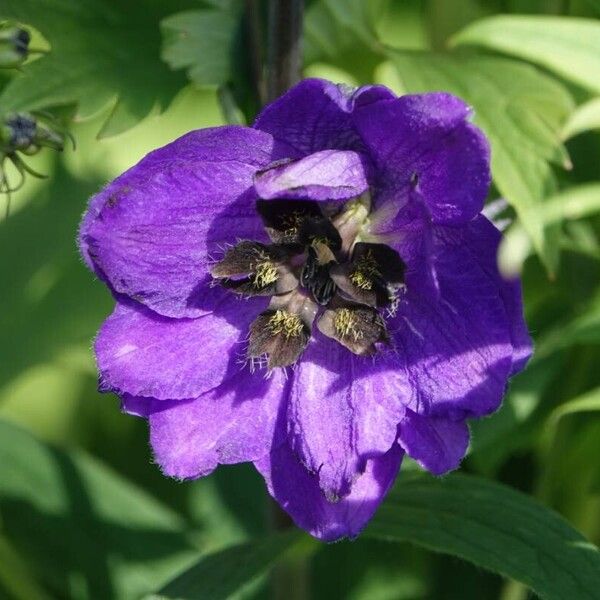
(342, 33)
(85, 531)
(201, 41)
(588, 402)
(212, 45)
(520, 110)
(494, 527)
(574, 203)
(102, 52)
(568, 46)
(586, 117)
(222, 574)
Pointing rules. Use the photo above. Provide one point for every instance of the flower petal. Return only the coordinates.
(230, 424)
(425, 140)
(299, 494)
(325, 175)
(144, 354)
(456, 346)
(484, 239)
(315, 115)
(152, 231)
(342, 410)
(436, 443)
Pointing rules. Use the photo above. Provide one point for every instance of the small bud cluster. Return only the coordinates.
(25, 134)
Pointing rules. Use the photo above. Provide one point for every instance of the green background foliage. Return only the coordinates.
(83, 511)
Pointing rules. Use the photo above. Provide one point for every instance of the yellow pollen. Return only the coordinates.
(286, 323)
(265, 274)
(344, 322)
(365, 272)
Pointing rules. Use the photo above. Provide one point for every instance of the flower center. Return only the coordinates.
(316, 268)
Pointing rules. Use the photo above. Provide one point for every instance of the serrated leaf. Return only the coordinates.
(201, 41)
(586, 117)
(85, 531)
(568, 46)
(495, 528)
(520, 110)
(101, 52)
(220, 575)
(211, 44)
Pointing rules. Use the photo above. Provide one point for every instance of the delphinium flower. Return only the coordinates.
(316, 294)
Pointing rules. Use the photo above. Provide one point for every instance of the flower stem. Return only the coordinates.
(290, 575)
(285, 45)
(254, 36)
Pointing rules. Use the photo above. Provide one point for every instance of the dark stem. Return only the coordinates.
(285, 45)
(254, 31)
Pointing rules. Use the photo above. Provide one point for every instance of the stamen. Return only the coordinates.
(255, 269)
(280, 335)
(365, 271)
(265, 274)
(345, 322)
(284, 322)
(358, 328)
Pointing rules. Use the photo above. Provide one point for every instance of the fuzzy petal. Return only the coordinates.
(343, 409)
(299, 494)
(143, 354)
(152, 232)
(436, 443)
(456, 347)
(230, 424)
(425, 140)
(325, 175)
(315, 115)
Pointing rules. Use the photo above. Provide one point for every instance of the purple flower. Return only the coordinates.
(317, 294)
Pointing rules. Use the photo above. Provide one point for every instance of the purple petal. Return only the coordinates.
(325, 175)
(316, 115)
(457, 347)
(425, 140)
(143, 354)
(230, 424)
(298, 493)
(436, 443)
(483, 239)
(151, 232)
(342, 411)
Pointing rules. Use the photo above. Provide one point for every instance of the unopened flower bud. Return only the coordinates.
(14, 45)
(18, 132)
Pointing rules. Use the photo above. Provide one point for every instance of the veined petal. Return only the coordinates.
(483, 238)
(144, 354)
(315, 115)
(151, 233)
(325, 175)
(230, 424)
(343, 409)
(425, 141)
(436, 443)
(456, 347)
(299, 494)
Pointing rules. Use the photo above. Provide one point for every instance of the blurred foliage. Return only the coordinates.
(83, 512)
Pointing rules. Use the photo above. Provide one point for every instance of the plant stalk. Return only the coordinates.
(285, 45)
